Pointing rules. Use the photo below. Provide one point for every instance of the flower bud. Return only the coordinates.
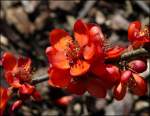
(125, 76)
(138, 66)
(17, 104)
(140, 86)
(119, 91)
(64, 101)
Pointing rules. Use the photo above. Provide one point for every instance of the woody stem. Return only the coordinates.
(141, 52)
(40, 79)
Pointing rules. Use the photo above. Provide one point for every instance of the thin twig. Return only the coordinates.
(135, 53)
(40, 79)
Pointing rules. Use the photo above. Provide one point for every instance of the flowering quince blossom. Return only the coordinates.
(138, 35)
(18, 76)
(79, 64)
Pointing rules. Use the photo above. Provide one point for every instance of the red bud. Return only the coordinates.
(64, 101)
(140, 85)
(138, 65)
(125, 76)
(114, 74)
(119, 91)
(17, 104)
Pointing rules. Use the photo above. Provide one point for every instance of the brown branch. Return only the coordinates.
(141, 52)
(40, 79)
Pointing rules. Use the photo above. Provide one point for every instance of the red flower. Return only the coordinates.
(79, 64)
(18, 74)
(17, 71)
(137, 34)
(4, 96)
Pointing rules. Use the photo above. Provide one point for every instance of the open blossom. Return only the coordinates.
(79, 64)
(137, 33)
(4, 96)
(17, 71)
(18, 76)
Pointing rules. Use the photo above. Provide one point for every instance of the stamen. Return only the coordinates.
(73, 52)
(131, 83)
(22, 74)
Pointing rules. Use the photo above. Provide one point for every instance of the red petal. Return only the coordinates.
(77, 87)
(59, 78)
(96, 34)
(133, 30)
(25, 63)
(51, 83)
(64, 101)
(9, 77)
(50, 52)
(140, 86)
(26, 89)
(81, 33)
(12, 80)
(8, 61)
(89, 51)
(58, 59)
(114, 74)
(17, 104)
(119, 91)
(36, 95)
(99, 52)
(60, 39)
(95, 88)
(16, 84)
(81, 67)
(99, 68)
(115, 52)
(56, 35)
(125, 76)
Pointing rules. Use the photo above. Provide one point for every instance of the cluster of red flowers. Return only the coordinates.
(78, 64)
(18, 76)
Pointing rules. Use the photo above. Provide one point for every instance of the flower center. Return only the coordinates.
(22, 74)
(145, 32)
(73, 52)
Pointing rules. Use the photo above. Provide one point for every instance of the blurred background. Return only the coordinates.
(25, 27)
